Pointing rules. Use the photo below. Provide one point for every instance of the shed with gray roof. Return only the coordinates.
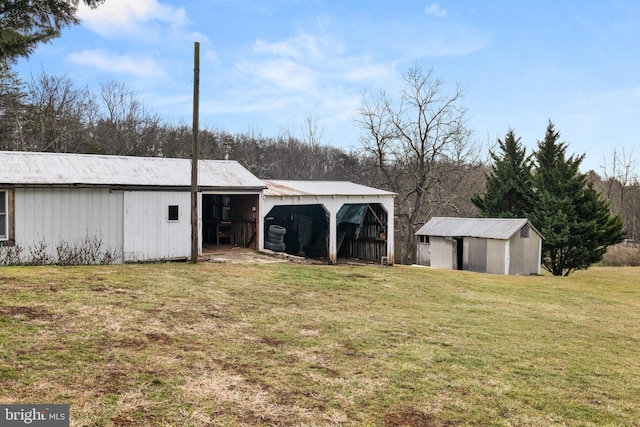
(56, 206)
(486, 245)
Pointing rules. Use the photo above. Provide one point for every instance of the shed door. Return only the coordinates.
(458, 252)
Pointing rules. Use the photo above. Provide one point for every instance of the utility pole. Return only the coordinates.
(195, 154)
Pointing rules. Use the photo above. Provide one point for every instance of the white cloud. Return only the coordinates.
(369, 72)
(303, 46)
(435, 9)
(280, 74)
(120, 64)
(123, 18)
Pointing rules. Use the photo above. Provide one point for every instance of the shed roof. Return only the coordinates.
(30, 168)
(321, 188)
(488, 228)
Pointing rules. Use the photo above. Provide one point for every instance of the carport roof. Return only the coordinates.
(321, 188)
(56, 169)
(488, 228)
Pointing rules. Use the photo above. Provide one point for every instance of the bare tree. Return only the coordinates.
(125, 126)
(421, 149)
(57, 115)
(620, 186)
(618, 173)
(11, 108)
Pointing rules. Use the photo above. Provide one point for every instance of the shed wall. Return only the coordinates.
(525, 254)
(441, 252)
(148, 233)
(475, 254)
(69, 215)
(496, 251)
(423, 256)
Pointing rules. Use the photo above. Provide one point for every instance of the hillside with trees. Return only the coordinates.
(417, 145)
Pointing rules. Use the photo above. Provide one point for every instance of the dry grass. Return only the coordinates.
(281, 344)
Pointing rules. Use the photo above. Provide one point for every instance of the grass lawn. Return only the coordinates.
(287, 344)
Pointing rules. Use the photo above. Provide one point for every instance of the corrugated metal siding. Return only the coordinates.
(441, 252)
(70, 215)
(491, 228)
(320, 188)
(423, 255)
(525, 254)
(148, 234)
(28, 168)
(476, 253)
(496, 251)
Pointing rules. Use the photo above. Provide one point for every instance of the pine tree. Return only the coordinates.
(577, 224)
(25, 23)
(509, 190)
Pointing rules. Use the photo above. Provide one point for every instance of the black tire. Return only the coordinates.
(276, 247)
(275, 238)
(274, 241)
(277, 229)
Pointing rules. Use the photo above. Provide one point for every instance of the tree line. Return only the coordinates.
(416, 144)
(49, 113)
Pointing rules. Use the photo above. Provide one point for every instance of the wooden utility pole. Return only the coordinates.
(195, 154)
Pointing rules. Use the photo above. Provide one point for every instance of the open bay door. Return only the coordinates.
(362, 231)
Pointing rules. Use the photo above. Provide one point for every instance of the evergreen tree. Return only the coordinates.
(509, 191)
(11, 94)
(577, 224)
(26, 23)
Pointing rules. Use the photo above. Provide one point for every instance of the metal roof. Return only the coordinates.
(489, 228)
(30, 168)
(321, 188)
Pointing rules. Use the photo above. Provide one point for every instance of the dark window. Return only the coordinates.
(173, 213)
(524, 231)
(4, 226)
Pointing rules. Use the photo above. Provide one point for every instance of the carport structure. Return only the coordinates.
(330, 219)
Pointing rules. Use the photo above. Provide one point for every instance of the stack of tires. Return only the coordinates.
(275, 238)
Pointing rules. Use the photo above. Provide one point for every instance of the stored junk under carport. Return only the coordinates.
(330, 220)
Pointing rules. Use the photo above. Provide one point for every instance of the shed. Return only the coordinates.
(486, 245)
(137, 208)
(330, 219)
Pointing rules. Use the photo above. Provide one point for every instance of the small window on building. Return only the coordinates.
(4, 217)
(424, 239)
(174, 213)
(524, 231)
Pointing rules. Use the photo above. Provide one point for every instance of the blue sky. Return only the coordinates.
(269, 65)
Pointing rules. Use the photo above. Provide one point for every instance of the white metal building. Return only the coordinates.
(330, 219)
(487, 245)
(139, 208)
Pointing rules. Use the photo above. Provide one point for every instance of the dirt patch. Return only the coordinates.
(127, 343)
(244, 256)
(271, 342)
(411, 417)
(159, 338)
(30, 313)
